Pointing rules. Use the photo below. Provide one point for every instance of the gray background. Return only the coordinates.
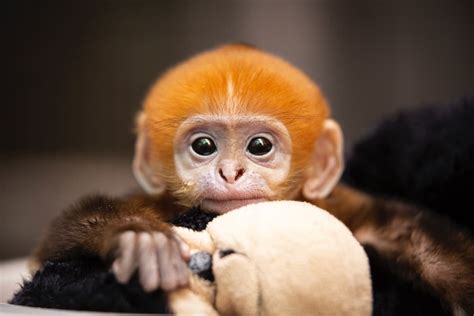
(75, 72)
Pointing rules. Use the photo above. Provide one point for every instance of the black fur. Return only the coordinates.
(194, 219)
(87, 285)
(425, 157)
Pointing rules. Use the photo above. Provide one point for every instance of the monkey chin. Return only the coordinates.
(224, 206)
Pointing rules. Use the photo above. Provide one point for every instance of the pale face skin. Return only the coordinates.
(235, 160)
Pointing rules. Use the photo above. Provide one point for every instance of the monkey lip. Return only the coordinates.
(223, 205)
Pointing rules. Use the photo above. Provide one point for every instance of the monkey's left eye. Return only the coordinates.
(259, 146)
(204, 146)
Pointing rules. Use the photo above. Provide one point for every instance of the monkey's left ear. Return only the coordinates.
(146, 171)
(327, 162)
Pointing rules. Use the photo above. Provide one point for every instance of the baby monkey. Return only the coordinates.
(235, 126)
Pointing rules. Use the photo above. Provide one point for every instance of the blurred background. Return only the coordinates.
(75, 73)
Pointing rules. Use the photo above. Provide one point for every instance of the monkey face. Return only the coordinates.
(234, 126)
(225, 162)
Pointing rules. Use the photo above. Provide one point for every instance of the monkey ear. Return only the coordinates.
(146, 171)
(326, 164)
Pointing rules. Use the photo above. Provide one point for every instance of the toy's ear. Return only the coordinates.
(326, 163)
(145, 170)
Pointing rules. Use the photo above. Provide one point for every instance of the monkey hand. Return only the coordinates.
(158, 258)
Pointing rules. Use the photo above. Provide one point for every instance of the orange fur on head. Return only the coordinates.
(234, 79)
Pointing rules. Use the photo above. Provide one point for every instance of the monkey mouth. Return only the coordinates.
(220, 205)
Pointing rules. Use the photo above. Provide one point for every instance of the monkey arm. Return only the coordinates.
(419, 245)
(130, 233)
(87, 228)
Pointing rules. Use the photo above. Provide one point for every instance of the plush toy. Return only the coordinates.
(271, 258)
(275, 258)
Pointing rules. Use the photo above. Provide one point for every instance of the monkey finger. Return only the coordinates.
(180, 266)
(167, 273)
(147, 262)
(124, 266)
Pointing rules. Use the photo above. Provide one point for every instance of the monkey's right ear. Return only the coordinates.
(145, 170)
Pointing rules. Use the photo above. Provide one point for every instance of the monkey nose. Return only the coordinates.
(231, 176)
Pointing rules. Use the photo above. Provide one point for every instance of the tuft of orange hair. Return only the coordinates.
(261, 83)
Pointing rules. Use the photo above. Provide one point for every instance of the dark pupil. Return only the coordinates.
(204, 146)
(259, 146)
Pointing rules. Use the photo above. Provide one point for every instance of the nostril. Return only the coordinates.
(240, 173)
(222, 175)
(231, 176)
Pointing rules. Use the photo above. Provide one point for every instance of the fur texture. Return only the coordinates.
(395, 296)
(423, 157)
(194, 219)
(87, 285)
(102, 217)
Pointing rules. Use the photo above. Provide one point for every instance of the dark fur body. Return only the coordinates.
(405, 159)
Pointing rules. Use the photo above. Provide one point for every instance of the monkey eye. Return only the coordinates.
(259, 146)
(204, 146)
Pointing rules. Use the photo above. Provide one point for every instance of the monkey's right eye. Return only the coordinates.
(204, 146)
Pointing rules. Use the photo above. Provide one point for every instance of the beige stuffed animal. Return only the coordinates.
(277, 258)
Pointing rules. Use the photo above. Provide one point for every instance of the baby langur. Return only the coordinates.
(230, 127)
